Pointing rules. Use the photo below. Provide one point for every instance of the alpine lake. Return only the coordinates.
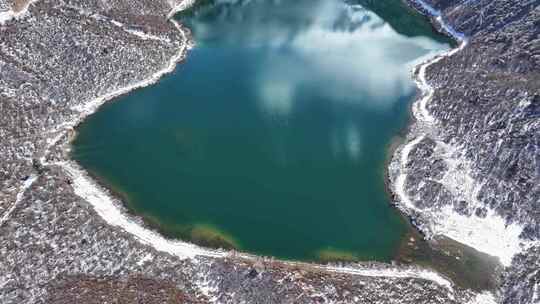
(273, 136)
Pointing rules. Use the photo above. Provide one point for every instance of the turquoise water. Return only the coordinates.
(272, 136)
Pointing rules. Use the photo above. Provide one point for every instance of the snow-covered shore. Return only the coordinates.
(490, 234)
(106, 207)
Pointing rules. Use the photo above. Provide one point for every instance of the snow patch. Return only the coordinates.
(119, 24)
(147, 258)
(146, 36)
(26, 185)
(536, 293)
(490, 234)
(417, 273)
(483, 298)
(208, 288)
(457, 179)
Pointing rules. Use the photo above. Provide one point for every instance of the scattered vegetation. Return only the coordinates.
(332, 255)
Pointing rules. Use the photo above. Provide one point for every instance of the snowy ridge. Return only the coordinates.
(536, 293)
(491, 234)
(26, 185)
(7, 16)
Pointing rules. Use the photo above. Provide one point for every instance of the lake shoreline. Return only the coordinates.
(148, 222)
(380, 148)
(61, 219)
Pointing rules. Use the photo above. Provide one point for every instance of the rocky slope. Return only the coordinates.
(61, 59)
(471, 167)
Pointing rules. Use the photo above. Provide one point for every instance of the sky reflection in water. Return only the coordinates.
(274, 130)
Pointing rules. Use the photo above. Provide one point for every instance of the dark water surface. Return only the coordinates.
(272, 136)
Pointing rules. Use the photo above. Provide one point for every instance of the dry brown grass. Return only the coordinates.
(134, 289)
(19, 5)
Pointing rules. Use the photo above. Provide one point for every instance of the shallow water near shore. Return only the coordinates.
(271, 137)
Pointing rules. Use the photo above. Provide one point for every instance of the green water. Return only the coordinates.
(272, 136)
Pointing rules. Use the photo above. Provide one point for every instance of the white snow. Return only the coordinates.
(102, 202)
(420, 108)
(491, 234)
(536, 293)
(399, 186)
(437, 14)
(27, 183)
(117, 23)
(147, 258)
(146, 36)
(184, 4)
(106, 208)
(6, 16)
(90, 107)
(394, 273)
(431, 10)
(207, 288)
(485, 297)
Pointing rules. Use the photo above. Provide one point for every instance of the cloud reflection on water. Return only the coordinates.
(346, 53)
(353, 53)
